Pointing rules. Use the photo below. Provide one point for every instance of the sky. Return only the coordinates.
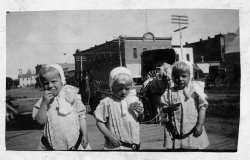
(42, 37)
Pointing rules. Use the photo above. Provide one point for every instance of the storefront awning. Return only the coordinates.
(204, 67)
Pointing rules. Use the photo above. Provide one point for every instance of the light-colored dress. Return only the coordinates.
(185, 119)
(62, 130)
(119, 120)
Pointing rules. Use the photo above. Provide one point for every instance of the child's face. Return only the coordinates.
(121, 87)
(52, 82)
(181, 79)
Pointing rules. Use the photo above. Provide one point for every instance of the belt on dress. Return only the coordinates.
(46, 143)
(182, 136)
(133, 146)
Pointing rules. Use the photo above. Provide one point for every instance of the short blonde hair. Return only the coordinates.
(180, 67)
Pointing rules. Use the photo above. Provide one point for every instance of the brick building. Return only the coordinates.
(211, 51)
(232, 49)
(232, 58)
(123, 51)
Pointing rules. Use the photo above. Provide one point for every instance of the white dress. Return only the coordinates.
(119, 120)
(62, 131)
(185, 119)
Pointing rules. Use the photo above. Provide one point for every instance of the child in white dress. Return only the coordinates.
(62, 112)
(184, 110)
(117, 115)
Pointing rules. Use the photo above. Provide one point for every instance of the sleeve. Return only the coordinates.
(80, 108)
(36, 108)
(101, 112)
(201, 103)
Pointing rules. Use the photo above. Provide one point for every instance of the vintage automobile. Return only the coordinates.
(151, 61)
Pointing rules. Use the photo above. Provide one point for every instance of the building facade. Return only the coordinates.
(232, 59)
(27, 79)
(210, 50)
(218, 55)
(186, 51)
(123, 51)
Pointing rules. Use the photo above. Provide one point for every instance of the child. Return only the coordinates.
(117, 115)
(62, 112)
(185, 107)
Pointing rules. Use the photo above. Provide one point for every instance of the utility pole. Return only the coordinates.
(120, 39)
(120, 55)
(180, 19)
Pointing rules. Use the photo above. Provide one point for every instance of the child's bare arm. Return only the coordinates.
(41, 116)
(84, 130)
(200, 122)
(113, 139)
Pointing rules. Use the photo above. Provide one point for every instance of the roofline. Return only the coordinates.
(96, 46)
(178, 46)
(142, 38)
(122, 40)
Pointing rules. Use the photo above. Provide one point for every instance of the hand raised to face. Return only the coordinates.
(48, 97)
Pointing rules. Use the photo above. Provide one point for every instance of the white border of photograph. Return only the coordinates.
(42, 5)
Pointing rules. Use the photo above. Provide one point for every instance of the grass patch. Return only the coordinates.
(27, 92)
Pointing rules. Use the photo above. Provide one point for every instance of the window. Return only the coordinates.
(135, 52)
(144, 49)
(177, 57)
(187, 57)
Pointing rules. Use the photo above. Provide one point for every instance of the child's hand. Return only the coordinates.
(48, 97)
(138, 107)
(198, 130)
(85, 141)
(114, 140)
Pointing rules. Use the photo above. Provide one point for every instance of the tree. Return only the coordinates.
(9, 83)
(16, 83)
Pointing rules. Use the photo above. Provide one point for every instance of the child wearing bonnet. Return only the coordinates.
(184, 107)
(62, 112)
(116, 116)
